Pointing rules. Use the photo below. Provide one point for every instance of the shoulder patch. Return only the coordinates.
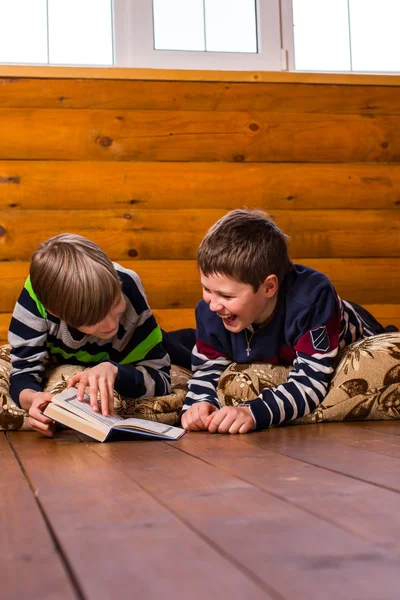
(320, 339)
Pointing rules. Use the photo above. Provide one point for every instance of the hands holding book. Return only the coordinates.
(100, 380)
(35, 402)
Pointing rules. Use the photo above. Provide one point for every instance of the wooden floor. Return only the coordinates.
(297, 513)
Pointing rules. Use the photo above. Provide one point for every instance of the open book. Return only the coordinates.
(69, 411)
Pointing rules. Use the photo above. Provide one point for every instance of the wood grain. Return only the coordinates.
(176, 283)
(176, 234)
(291, 97)
(77, 134)
(116, 536)
(279, 543)
(30, 565)
(116, 73)
(155, 185)
(309, 445)
(337, 498)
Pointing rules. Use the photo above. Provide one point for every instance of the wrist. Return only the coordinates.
(27, 397)
(251, 414)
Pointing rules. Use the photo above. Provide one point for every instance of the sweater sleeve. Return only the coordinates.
(209, 361)
(316, 350)
(144, 366)
(27, 336)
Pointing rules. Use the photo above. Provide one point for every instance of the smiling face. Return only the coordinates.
(108, 327)
(236, 303)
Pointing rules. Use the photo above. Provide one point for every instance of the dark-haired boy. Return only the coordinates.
(259, 307)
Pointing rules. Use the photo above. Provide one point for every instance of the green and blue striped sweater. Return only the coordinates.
(136, 350)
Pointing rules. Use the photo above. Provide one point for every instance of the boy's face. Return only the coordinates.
(108, 327)
(236, 303)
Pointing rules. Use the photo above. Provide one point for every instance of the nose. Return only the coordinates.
(109, 323)
(215, 305)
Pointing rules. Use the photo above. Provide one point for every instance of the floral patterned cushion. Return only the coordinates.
(165, 409)
(365, 386)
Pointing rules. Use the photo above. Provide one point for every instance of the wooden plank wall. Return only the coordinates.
(144, 162)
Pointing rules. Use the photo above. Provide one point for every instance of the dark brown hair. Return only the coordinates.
(245, 245)
(74, 279)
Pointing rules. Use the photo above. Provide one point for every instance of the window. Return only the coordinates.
(265, 35)
(205, 25)
(198, 34)
(346, 35)
(73, 32)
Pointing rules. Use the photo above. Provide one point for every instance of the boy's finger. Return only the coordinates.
(189, 422)
(226, 423)
(246, 427)
(73, 380)
(103, 396)
(45, 428)
(205, 412)
(37, 415)
(216, 421)
(236, 425)
(198, 422)
(110, 387)
(93, 392)
(81, 389)
(209, 419)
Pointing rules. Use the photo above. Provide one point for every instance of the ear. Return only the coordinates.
(270, 286)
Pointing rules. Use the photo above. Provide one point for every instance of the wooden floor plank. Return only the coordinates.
(356, 435)
(386, 427)
(282, 544)
(310, 444)
(363, 509)
(30, 566)
(116, 537)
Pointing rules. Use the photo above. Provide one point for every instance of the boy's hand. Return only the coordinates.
(230, 419)
(194, 419)
(38, 421)
(99, 379)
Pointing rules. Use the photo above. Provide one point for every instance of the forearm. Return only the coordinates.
(138, 381)
(203, 388)
(26, 398)
(304, 390)
(203, 385)
(20, 386)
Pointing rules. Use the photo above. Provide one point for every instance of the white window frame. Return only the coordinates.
(133, 42)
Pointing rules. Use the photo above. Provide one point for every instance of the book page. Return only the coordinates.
(151, 426)
(83, 408)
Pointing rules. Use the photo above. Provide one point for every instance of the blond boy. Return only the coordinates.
(78, 307)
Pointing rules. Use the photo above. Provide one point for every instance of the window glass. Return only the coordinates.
(23, 37)
(179, 25)
(80, 32)
(231, 25)
(205, 25)
(375, 38)
(321, 35)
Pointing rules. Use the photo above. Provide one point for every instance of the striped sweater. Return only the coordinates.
(310, 325)
(37, 337)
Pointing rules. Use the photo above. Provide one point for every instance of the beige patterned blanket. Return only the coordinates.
(366, 386)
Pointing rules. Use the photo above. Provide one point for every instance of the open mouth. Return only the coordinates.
(228, 319)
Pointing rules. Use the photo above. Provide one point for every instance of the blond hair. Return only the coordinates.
(74, 280)
(247, 246)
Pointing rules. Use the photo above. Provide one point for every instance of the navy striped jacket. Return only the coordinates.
(310, 325)
(37, 338)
